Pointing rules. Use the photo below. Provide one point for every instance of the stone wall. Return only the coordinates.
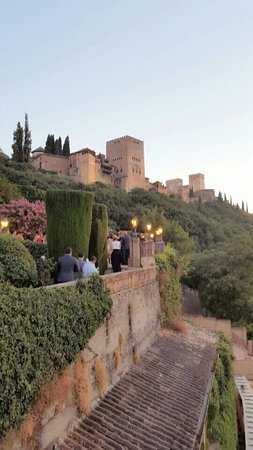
(117, 344)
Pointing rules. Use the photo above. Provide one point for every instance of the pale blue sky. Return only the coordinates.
(177, 74)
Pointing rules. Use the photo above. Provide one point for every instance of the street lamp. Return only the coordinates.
(134, 224)
(149, 226)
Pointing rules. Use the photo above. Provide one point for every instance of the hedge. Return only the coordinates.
(98, 237)
(17, 265)
(41, 331)
(69, 216)
(221, 418)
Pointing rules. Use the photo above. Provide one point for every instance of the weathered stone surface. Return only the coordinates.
(158, 403)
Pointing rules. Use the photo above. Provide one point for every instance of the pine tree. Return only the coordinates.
(49, 146)
(17, 145)
(58, 146)
(220, 199)
(27, 147)
(66, 147)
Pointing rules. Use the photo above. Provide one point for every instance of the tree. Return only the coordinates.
(69, 218)
(49, 146)
(27, 146)
(98, 237)
(66, 147)
(243, 206)
(17, 145)
(225, 198)
(22, 142)
(58, 146)
(25, 217)
(220, 199)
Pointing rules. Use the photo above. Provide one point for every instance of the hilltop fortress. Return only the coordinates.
(122, 166)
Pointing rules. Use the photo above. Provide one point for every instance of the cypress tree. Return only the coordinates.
(69, 217)
(98, 238)
(242, 205)
(49, 146)
(220, 199)
(66, 147)
(17, 146)
(27, 147)
(58, 146)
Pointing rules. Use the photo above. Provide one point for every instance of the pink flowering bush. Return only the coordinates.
(25, 217)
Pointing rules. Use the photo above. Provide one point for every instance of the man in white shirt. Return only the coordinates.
(89, 267)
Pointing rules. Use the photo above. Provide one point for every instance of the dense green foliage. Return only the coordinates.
(221, 420)
(41, 331)
(45, 266)
(98, 237)
(169, 285)
(8, 190)
(16, 264)
(69, 217)
(223, 277)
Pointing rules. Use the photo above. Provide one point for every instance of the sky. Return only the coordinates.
(177, 74)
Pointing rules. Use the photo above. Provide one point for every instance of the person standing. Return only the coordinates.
(80, 263)
(125, 247)
(89, 267)
(66, 266)
(116, 254)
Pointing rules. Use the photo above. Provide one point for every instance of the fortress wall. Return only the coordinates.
(115, 346)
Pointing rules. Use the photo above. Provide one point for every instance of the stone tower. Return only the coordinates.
(127, 155)
(197, 182)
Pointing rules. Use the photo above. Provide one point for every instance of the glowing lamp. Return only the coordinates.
(149, 226)
(134, 223)
(4, 223)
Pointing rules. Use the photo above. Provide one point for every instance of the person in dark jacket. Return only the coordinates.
(80, 263)
(66, 267)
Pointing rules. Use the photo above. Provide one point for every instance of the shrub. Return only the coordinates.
(221, 418)
(169, 287)
(17, 265)
(8, 190)
(35, 249)
(24, 216)
(69, 215)
(98, 237)
(45, 266)
(43, 330)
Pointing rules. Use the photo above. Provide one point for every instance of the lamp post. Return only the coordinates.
(134, 224)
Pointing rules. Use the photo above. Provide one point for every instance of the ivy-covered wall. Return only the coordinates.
(221, 419)
(169, 285)
(41, 331)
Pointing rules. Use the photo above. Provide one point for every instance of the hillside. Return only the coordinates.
(208, 224)
(213, 240)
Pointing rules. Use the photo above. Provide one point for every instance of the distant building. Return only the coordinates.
(122, 166)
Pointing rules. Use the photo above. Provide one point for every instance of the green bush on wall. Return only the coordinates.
(98, 237)
(221, 418)
(41, 331)
(16, 264)
(69, 215)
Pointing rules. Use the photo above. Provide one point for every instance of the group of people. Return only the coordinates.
(118, 246)
(70, 268)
